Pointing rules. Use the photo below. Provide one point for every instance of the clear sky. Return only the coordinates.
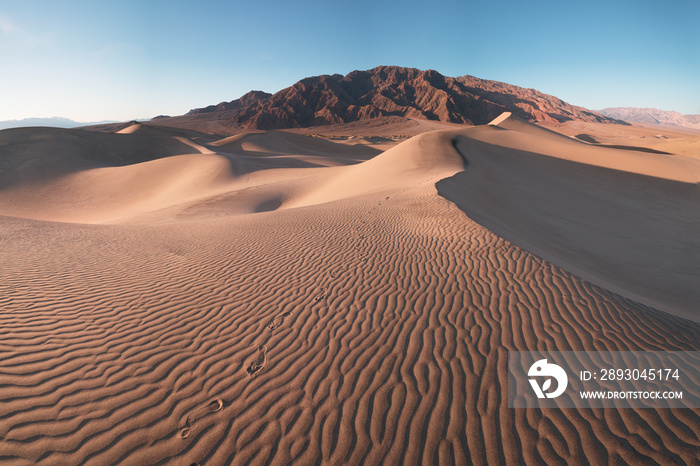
(96, 60)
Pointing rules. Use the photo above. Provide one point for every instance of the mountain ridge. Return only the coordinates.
(652, 116)
(392, 91)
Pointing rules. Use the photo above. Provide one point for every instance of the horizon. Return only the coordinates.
(92, 63)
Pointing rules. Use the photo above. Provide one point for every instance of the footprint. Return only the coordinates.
(321, 296)
(277, 321)
(199, 413)
(257, 366)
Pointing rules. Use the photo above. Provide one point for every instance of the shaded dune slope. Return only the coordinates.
(627, 221)
(364, 318)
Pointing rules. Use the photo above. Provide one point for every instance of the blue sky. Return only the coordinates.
(91, 60)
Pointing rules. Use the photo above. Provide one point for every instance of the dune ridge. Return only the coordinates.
(337, 312)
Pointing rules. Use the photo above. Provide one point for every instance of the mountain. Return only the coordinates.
(652, 116)
(391, 91)
(250, 98)
(55, 122)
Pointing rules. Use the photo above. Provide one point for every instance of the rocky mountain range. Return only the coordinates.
(391, 91)
(652, 116)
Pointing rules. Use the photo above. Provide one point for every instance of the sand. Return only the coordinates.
(677, 141)
(175, 297)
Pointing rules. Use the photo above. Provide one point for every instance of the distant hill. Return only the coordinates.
(54, 122)
(389, 91)
(653, 117)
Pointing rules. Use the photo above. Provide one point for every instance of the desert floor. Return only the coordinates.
(170, 296)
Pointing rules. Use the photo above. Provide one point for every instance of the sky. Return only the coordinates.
(92, 61)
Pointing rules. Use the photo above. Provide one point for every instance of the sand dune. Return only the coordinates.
(88, 181)
(224, 308)
(624, 220)
(676, 141)
(286, 144)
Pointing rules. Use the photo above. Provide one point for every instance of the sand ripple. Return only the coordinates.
(374, 328)
(214, 344)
